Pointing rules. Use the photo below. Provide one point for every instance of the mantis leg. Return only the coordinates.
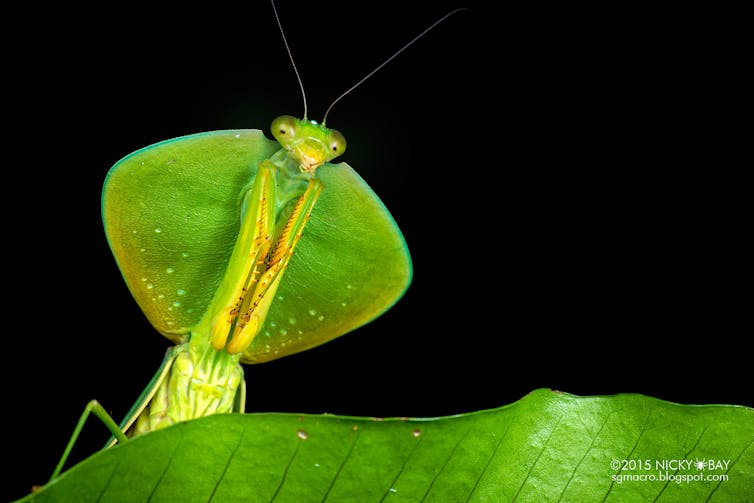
(252, 243)
(265, 243)
(95, 408)
(118, 431)
(260, 291)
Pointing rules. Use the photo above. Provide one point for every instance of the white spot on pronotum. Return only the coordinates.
(157, 230)
(181, 291)
(316, 465)
(143, 278)
(150, 286)
(236, 135)
(161, 296)
(343, 304)
(184, 254)
(142, 250)
(280, 297)
(417, 432)
(169, 322)
(349, 287)
(283, 331)
(170, 308)
(292, 321)
(302, 434)
(312, 312)
(273, 324)
(321, 318)
(299, 332)
(393, 490)
(170, 270)
(176, 304)
(135, 231)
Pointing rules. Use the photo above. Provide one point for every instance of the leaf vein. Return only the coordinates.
(109, 479)
(403, 467)
(586, 453)
(445, 464)
(539, 455)
(342, 464)
(685, 456)
(487, 465)
(729, 467)
(630, 454)
(227, 465)
(285, 472)
(165, 470)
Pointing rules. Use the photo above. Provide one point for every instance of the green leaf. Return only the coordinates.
(548, 446)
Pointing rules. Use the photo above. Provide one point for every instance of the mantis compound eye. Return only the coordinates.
(284, 128)
(337, 143)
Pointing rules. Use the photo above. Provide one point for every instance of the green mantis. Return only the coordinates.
(264, 300)
(241, 250)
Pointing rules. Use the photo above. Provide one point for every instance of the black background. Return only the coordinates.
(558, 178)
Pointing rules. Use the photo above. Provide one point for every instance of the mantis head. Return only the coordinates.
(309, 143)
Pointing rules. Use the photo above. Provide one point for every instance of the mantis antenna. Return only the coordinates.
(287, 48)
(388, 60)
(357, 84)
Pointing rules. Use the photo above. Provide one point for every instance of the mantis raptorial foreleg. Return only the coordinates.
(261, 254)
(260, 294)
